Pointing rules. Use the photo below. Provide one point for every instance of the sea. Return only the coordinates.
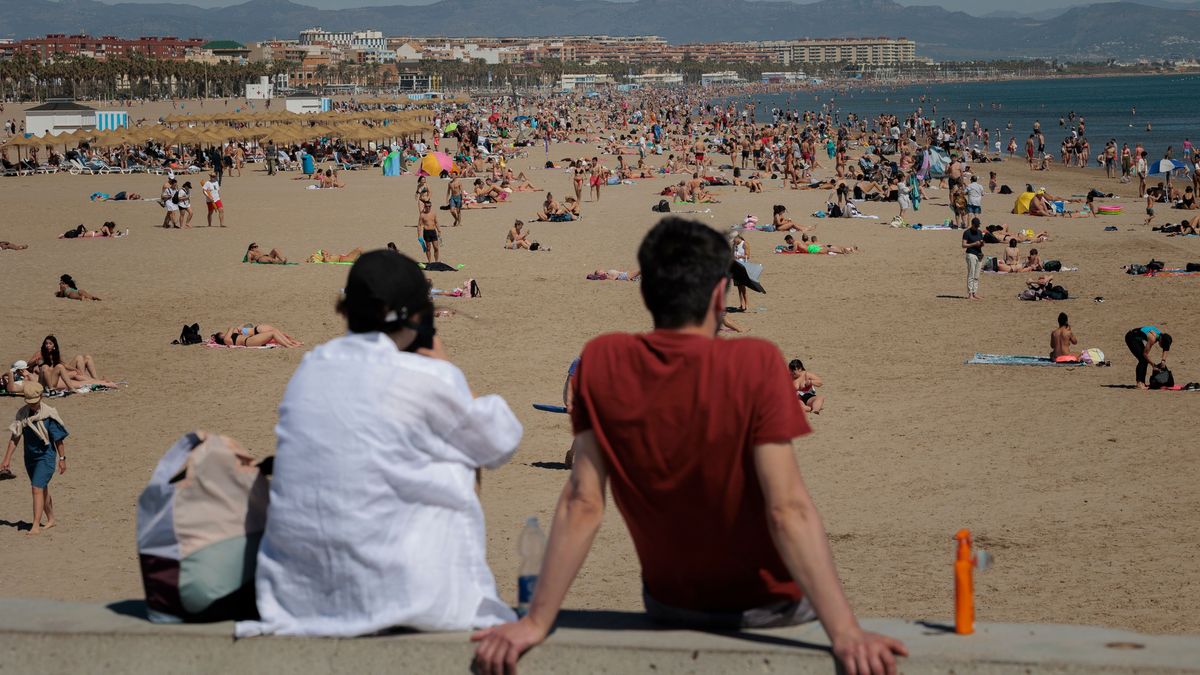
(1156, 110)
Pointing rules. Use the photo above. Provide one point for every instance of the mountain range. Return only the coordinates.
(1120, 30)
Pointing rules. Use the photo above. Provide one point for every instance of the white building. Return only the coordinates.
(58, 116)
(261, 91)
(362, 39)
(787, 77)
(307, 104)
(723, 77)
(571, 81)
(657, 79)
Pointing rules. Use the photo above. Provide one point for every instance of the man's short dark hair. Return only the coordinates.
(1062, 318)
(796, 364)
(681, 262)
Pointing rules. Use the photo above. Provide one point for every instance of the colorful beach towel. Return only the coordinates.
(1018, 360)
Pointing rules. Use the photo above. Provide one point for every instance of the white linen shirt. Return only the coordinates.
(374, 522)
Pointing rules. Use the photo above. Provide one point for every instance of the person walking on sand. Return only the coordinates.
(43, 432)
(972, 243)
(212, 198)
(430, 232)
(454, 198)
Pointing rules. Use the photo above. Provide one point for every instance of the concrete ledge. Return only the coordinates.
(46, 636)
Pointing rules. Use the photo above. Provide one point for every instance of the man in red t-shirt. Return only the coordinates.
(694, 434)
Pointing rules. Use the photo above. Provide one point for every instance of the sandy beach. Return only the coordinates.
(1082, 488)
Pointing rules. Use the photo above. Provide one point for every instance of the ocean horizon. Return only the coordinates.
(1009, 108)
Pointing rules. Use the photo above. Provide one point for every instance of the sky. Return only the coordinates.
(976, 7)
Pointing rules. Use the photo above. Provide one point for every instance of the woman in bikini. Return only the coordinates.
(251, 335)
(580, 171)
(255, 255)
(67, 288)
(422, 191)
(323, 256)
(784, 224)
(518, 237)
(56, 373)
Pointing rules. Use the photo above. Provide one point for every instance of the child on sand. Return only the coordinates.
(43, 431)
(806, 384)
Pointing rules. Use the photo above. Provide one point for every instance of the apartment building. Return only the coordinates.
(879, 51)
(58, 45)
(361, 39)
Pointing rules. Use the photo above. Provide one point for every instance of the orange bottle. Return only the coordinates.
(964, 585)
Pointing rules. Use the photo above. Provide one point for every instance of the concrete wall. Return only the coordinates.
(48, 637)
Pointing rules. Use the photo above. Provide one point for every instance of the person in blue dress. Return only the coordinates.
(43, 432)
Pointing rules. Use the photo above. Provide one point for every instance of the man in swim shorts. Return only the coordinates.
(430, 232)
(454, 197)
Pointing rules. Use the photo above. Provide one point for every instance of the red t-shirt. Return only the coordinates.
(677, 417)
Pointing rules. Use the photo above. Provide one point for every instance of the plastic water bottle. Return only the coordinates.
(531, 546)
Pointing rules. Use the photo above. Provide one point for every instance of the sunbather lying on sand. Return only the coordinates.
(254, 254)
(254, 335)
(67, 288)
(615, 275)
(323, 256)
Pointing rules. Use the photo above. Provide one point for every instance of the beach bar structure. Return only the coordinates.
(722, 77)
(573, 81)
(61, 115)
(308, 104)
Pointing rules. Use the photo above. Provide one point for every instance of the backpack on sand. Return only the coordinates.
(199, 523)
(1051, 266)
(663, 206)
(190, 335)
(1162, 379)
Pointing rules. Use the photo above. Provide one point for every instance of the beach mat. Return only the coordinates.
(1018, 360)
(1065, 269)
(546, 407)
(210, 343)
(1170, 273)
(59, 393)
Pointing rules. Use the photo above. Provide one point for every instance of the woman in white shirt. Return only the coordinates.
(374, 521)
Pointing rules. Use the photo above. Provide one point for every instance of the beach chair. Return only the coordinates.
(76, 167)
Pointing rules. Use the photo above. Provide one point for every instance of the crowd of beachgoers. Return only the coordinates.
(331, 527)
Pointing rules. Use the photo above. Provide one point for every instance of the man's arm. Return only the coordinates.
(800, 538)
(577, 518)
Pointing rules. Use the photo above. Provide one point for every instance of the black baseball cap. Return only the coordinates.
(387, 279)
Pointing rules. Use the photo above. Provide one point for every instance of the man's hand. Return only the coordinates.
(501, 646)
(62, 465)
(863, 653)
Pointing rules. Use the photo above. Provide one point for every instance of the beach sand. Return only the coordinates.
(1084, 491)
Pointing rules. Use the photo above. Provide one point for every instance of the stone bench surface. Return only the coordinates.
(48, 636)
